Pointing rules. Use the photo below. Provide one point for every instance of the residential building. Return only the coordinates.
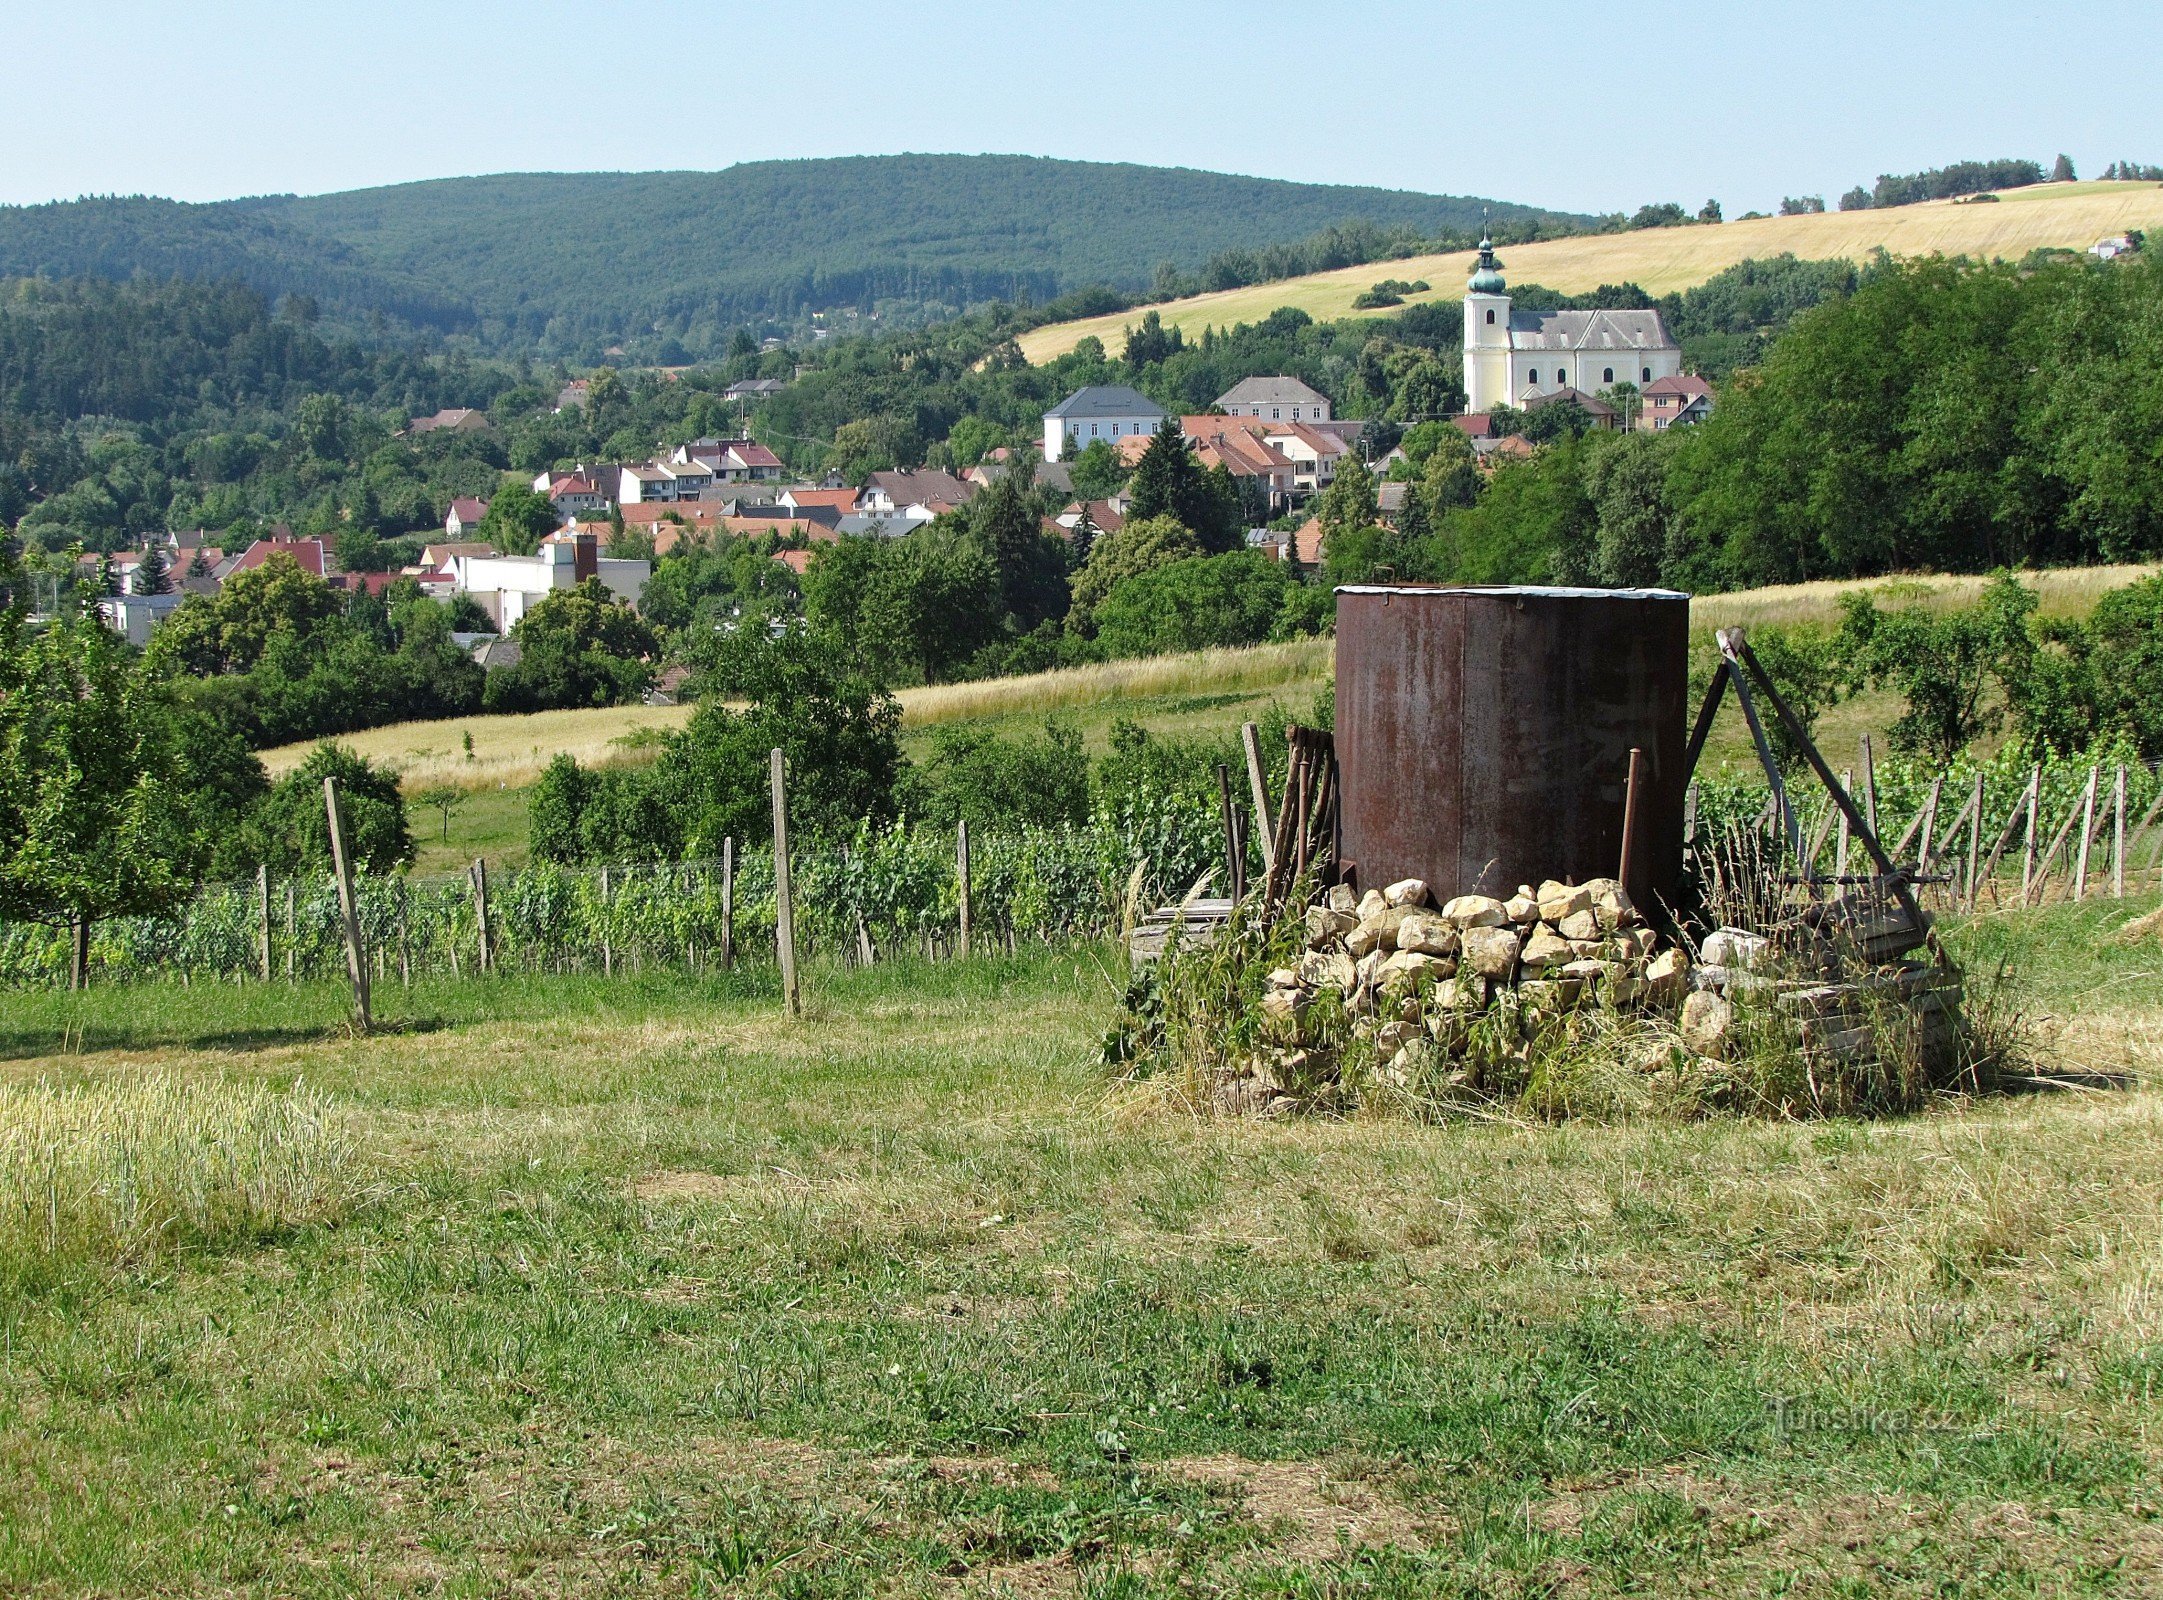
(2111, 247)
(1675, 402)
(464, 516)
(1101, 411)
(134, 616)
(437, 558)
(1274, 400)
(452, 419)
(750, 391)
(733, 460)
(1509, 355)
(572, 396)
(573, 494)
(925, 488)
(307, 553)
(1602, 414)
(1239, 445)
(507, 587)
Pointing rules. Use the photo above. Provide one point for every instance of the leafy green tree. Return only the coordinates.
(320, 425)
(229, 632)
(90, 826)
(1451, 476)
(579, 647)
(443, 799)
(290, 830)
(924, 609)
(1008, 526)
(1348, 504)
(1151, 343)
(1169, 482)
(1141, 544)
(1097, 472)
(519, 518)
(1194, 604)
(1942, 663)
(1625, 475)
(992, 782)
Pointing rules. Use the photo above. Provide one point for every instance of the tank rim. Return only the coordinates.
(1510, 590)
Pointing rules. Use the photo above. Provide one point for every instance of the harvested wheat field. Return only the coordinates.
(1665, 260)
(558, 1285)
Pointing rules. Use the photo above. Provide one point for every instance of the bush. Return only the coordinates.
(1194, 604)
(290, 830)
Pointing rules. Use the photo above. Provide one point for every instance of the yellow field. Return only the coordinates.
(1180, 694)
(1662, 260)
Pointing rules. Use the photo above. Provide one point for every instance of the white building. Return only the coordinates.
(1274, 400)
(1511, 355)
(133, 616)
(1110, 411)
(507, 587)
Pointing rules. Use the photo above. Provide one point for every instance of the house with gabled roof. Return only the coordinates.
(451, 419)
(1278, 399)
(1109, 411)
(1675, 402)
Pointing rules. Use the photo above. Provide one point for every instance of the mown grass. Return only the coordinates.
(651, 1290)
(1665, 260)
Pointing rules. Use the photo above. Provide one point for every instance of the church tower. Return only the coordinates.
(1487, 335)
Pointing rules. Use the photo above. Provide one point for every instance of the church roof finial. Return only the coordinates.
(1487, 277)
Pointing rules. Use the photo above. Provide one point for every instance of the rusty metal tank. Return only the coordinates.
(1484, 734)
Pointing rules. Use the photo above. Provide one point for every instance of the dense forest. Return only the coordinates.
(669, 264)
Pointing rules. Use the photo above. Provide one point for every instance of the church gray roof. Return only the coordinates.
(1589, 330)
(1106, 400)
(1270, 392)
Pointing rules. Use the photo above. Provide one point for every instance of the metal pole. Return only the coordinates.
(784, 911)
(356, 958)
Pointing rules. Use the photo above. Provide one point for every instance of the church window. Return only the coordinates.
(1607, 375)
(1533, 376)
(1648, 374)
(1490, 316)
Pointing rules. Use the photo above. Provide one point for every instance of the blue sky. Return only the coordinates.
(1587, 107)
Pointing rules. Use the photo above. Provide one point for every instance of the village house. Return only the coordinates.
(1602, 414)
(1101, 411)
(464, 516)
(1675, 402)
(573, 494)
(732, 460)
(507, 587)
(750, 391)
(453, 419)
(1274, 400)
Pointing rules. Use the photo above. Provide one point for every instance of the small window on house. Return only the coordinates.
(1607, 375)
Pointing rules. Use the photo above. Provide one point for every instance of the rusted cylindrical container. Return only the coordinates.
(1484, 734)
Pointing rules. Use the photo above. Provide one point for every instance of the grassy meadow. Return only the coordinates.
(1665, 260)
(1203, 695)
(561, 1286)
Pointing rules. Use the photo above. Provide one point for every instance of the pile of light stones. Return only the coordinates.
(1411, 974)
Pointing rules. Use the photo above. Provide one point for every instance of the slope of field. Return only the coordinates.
(1665, 260)
(556, 255)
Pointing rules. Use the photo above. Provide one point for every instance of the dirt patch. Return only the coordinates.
(1020, 1580)
(1308, 1509)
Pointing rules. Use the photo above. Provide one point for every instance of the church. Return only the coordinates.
(1515, 356)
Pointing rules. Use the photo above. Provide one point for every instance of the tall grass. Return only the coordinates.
(134, 1169)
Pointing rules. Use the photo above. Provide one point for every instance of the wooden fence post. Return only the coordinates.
(262, 918)
(1250, 739)
(485, 957)
(1840, 851)
(356, 958)
(961, 882)
(1975, 841)
(405, 936)
(1235, 861)
(2087, 832)
(1930, 823)
(784, 911)
(728, 902)
(608, 948)
(2117, 834)
(292, 926)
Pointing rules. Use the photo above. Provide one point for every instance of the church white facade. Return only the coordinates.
(1512, 356)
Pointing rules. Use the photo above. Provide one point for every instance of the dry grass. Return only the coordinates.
(2064, 592)
(1663, 260)
(131, 1167)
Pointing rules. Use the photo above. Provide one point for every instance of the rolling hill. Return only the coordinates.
(561, 260)
(1663, 260)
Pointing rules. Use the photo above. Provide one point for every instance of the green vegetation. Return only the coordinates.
(612, 1285)
(1961, 178)
(505, 258)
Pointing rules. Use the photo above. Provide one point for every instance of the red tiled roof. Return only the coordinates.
(1688, 384)
(307, 552)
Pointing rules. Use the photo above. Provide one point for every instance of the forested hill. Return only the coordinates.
(569, 262)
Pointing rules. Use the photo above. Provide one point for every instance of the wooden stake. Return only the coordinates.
(961, 885)
(728, 903)
(2087, 833)
(2117, 835)
(1250, 739)
(1870, 787)
(1975, 837)
(608, 950)
(356, 959)
(784, 910)
(79, 954)
(486, 957)
(292, 925)
(405, 937)
(262, 919)
(1930, 822)
(1840, 851)
(1233, 864)
(2035, 826)
(1629, 819)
